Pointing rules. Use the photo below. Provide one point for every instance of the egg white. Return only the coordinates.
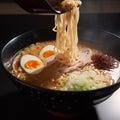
(27, 58)
(50, 59)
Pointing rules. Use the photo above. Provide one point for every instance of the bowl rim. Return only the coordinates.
(52, 90)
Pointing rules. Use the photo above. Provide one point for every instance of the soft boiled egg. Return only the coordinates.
(31, 64)
(48, 54)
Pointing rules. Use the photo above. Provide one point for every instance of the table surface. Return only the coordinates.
(13, 105)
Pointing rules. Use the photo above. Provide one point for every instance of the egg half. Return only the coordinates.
(48, 54)
(31, 64)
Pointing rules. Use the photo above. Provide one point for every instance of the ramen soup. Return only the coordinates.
(64, 64)
(39, 65)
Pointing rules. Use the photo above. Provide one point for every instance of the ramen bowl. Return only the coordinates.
(63, 101)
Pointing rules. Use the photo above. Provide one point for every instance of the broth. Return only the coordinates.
(55, 75)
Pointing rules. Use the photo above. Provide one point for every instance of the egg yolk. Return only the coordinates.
(33, 64)
(48, 53)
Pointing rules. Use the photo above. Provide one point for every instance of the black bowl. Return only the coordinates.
(65, 101)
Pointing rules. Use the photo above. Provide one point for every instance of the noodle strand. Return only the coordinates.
(67, 36)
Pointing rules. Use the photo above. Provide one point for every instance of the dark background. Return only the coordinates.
(12, 104)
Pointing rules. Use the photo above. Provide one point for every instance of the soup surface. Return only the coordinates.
(89, 73)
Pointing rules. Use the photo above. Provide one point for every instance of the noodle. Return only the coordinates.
(67, 37)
